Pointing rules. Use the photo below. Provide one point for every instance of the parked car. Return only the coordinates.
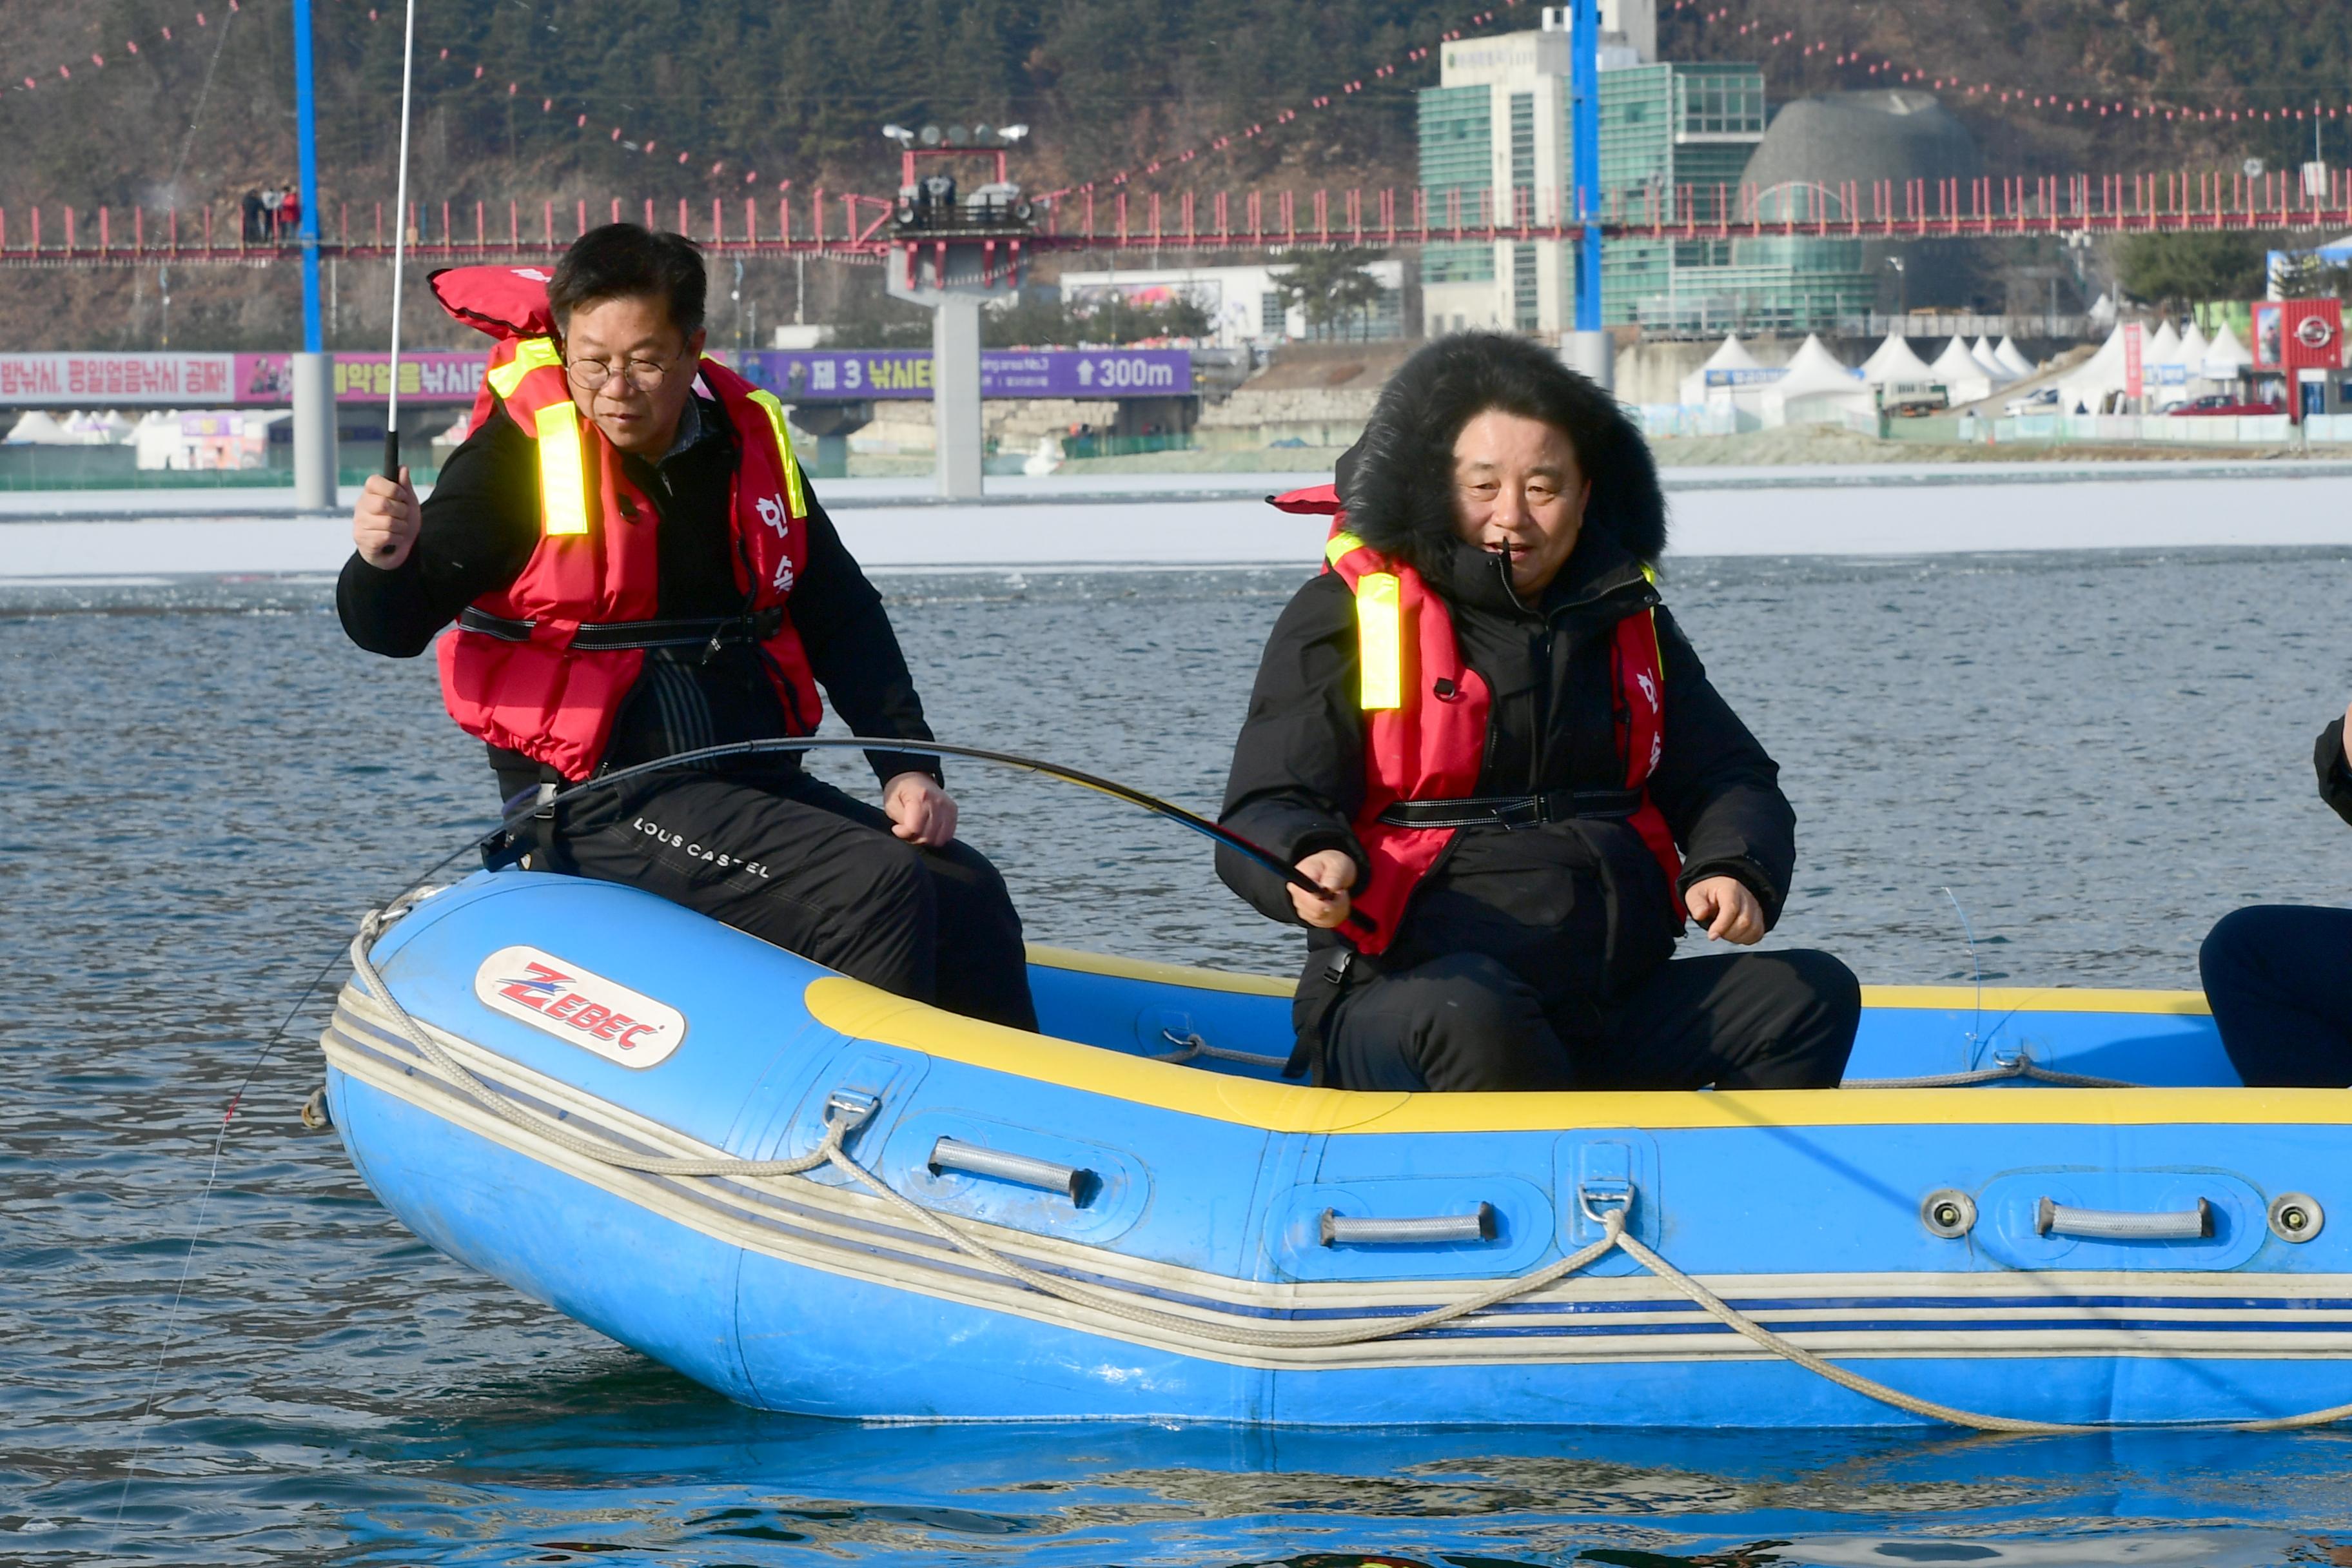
(2044, 400)
(2216, 403)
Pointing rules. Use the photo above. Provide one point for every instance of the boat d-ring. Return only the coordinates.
(1948, 1212)
(1598, 1193)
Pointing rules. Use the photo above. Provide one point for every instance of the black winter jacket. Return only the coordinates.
(2335, 778)
(1579, 910)
(481, 525)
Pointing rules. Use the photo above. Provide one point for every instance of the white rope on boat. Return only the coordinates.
(547, 1126)
(1614, 1238)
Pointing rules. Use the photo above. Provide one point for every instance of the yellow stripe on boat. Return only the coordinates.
(867, 1012)
(1929, 998)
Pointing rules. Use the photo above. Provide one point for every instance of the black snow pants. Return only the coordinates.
(796, 862)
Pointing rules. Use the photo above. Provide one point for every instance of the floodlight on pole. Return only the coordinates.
(1009, 133)
(900, 134)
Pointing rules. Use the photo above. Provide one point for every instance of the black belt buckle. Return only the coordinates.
(1527, 811)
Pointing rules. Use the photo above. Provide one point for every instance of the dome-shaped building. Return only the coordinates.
(1819, 153)
(1841, 155)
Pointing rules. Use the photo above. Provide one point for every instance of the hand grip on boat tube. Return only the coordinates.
(1346, 1230)
(951, 1154)
(2052, 1217)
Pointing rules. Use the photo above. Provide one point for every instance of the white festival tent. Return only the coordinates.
(2226, 358)
(1730, 354)
(98, 429)
(1818, 390)
(38, 429)
(2009, 356)
(2088, 385)
(1894, 361)
(2194, 348)
(1989, 363)
(2164, 352)
(1964, 380)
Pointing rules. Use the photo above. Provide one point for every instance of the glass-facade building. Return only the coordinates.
(1675, 138)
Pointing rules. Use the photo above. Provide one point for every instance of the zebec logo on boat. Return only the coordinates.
(588, 1010)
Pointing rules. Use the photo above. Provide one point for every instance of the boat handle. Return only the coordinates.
(1345, 1230)
(954, 1154)
(2053, 1218)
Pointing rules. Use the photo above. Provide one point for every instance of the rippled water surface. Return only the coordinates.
(201, 785)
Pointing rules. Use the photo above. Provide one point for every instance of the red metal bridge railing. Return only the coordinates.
(849, 225)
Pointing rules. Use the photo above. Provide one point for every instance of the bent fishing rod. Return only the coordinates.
(1126, 793)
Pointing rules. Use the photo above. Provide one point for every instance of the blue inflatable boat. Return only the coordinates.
(815, 1196)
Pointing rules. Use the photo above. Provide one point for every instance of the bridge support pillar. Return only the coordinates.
(955, 394)
(315, 461)
(1592, 355)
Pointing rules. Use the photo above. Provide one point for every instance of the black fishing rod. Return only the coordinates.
(399, 248)
(1111, 787)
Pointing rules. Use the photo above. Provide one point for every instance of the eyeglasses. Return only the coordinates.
(643, 374)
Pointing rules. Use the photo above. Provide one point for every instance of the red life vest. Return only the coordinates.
(510, 673)
(1425, 719)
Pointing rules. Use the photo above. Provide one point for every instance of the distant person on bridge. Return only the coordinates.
(2279, 976)
(1480, 731)
(637, 567)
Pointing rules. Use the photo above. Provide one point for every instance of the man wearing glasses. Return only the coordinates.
(637, 568)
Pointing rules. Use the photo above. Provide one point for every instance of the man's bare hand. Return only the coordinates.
(385, 523)
(921, 812)
(1331, 869)
(1727, 909)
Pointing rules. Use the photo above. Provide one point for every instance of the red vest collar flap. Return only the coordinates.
(1322, 499)
(507, 302)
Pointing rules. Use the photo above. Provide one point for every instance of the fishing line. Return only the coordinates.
(531, 806)
(212, 1178)
(392, 472)
(195, 118)
(1975, 1034)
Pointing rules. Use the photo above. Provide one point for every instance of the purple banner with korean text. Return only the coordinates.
(431, 377)
(842, 376)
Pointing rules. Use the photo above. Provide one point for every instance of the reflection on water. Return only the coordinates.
(202, 786)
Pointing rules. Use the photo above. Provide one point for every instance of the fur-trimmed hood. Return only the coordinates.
(1397, 481)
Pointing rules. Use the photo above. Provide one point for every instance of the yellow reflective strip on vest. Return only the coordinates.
(1342, 543)
(1379, 639)
(775, 412)
(562, 481)
(530, 354)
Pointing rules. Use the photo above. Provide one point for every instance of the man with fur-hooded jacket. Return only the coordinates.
(1484, 736)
